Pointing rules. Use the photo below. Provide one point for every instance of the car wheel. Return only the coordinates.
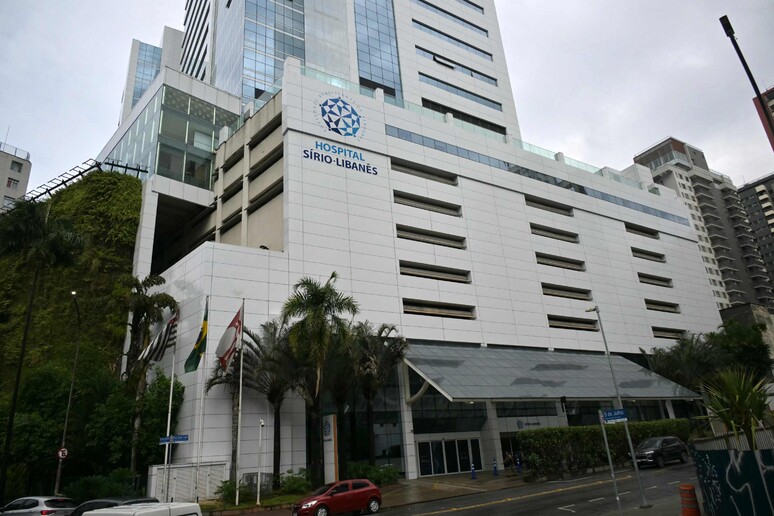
(684, 456)
(373, 506)
(659, 461)
(321, 511)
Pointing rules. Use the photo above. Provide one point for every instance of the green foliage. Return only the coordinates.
(574, 449)
(379, 475)
(226, 492)
(295, 483)
(118, 483)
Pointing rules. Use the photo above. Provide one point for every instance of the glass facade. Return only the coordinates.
(452, 40)
(148, 66)
(377, 46)
(453, 17)
(478, 99)
(175, 136)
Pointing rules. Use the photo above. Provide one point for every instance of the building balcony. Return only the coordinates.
(741, 224)
(696, 178)
(710, 214)
(727, 268)
(697, 187)
(713, 226)
(735, 292)
(703, 194)
(717, 238)
(745, 237)
(761, 275)
(719, 248)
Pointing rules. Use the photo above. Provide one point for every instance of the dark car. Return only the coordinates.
(341, 497)
(659, 450)
(102, 503)
(39, 506)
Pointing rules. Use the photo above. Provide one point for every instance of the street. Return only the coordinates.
(592, 495)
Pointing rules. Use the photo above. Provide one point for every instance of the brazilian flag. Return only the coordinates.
(192, 362)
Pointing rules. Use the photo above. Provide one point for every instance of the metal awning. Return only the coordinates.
(502, 374)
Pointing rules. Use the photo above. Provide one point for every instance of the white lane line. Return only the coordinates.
(651, 487)
(675, 482)
(597, 499)
(691, 478)
(625, 492)
(567, 508)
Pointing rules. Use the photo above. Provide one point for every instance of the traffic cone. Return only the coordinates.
(688, 501)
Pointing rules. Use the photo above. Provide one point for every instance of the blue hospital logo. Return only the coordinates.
(340, 117)
(327, 429)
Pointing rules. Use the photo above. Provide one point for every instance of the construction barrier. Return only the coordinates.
(688, 501)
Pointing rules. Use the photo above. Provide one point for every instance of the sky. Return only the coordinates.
(600, 80)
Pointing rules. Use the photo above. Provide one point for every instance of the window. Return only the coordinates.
(667, 333)
(525, 408)
(564, 291)
(425, 172)
(437, 309)
(13, 184)
(430, 237)
(460, 92)
(554, 233)
(8, 201)
(359, 485)
(545, 204)
(424, 270)
(648, 255)
(655, 280)
(460, 115)
(640, 230)
(559, 261)
(572, 323)
(16, 166)
(426, 203)
(662, 306)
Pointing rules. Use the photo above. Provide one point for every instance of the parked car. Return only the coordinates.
(102, 503)
(341, 497)
(39, 506)
(150, 509)
(659, 450)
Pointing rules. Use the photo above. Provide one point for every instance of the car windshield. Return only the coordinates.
(60, 503)
(321, 490)
(653, 442)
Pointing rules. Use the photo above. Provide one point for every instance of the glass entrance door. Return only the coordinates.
(448, 456)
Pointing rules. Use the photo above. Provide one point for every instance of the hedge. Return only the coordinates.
(575, 449)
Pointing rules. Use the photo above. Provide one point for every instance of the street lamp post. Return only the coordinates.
(62, 453)
(620, 405)
(260, 461)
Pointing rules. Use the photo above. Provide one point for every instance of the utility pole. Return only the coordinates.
(62, 450)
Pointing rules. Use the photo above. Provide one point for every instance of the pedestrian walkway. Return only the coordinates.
(408, 492)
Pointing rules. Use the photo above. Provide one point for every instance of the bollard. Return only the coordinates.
(494, 465)
(472, 471)
(688, 501)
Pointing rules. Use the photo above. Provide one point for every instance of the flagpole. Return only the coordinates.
(239, 417)
(201, 406)
(168, 445)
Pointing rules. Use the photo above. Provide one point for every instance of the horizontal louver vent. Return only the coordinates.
(641, 230)
(559, 261)
(662, 306)
(568, 292)
(654, 280)
(424, 270)
(648, 255)
(572, 323)
(430, 237)
(545, 204)
(427, 173)
(554, 233)
(667, 333)
(436, 309)
(426, 203)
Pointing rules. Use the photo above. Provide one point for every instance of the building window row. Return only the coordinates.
(452, 17)
(667, 333)
(550, 289)
(572, 323)
(461, 152)
(648, 255)
(433, 174)
(474, 6)
(454, 65)
(545, 204)
(560, 262)
(460, 115)
(650, 279)
(556, 234)
(427, 203)
(436, 272)
(438, 309)
(662, 306)
(641, 230)
(478, 99)
(525, 408)
(453, 41)
(430, 237)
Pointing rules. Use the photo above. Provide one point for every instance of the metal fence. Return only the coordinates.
(763, 438)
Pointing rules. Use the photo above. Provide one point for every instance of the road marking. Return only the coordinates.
(675, 482)
(691, 478)
(651, 487)
(567, 508)
(596, 499)
(523, 497)
(625, 492)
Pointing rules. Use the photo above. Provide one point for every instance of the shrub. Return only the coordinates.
(294, 483)
(118, 483)
(226, 492)
(379, 475)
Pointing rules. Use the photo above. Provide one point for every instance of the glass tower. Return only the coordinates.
(377, 46)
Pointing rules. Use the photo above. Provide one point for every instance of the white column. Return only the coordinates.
(670, 409)
(490, 439)
(407, 425)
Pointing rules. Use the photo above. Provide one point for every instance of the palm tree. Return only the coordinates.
(341, 383)
(274, 376)
(40, 242)
(738, 399)
(744, 346)
(230, 378)
(378, 352)
(689, 362)
(318, 310)
(146, 309)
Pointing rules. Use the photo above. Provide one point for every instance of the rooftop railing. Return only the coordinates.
(14, 151)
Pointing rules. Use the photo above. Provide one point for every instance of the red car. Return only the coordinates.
(341, 497)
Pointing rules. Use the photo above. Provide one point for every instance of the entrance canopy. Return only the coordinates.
(502, 374)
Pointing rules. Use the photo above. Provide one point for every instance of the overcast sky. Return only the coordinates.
(599, 80)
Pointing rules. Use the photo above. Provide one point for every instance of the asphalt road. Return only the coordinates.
(591, 495)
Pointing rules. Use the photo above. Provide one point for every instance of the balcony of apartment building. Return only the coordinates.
(741, 225)
(728, 269)
(704, 195)
(714, 227)
(723, 253)
(697, 179)
(717, 238)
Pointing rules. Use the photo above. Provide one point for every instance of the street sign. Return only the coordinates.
(61, 453)
(615, 416)
(183, 438)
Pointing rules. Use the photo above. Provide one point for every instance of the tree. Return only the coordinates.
(743, 345)
(40, 242)
(146, 309)
(274, 376)
(341, 383)
(738, 399)
(378, 353)
(230, 378)
(317, 310)
(689, 362)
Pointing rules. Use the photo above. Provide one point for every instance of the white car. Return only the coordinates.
(150, 509)
(39, 506)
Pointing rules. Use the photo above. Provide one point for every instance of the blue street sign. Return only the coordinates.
(615, 416)
(163, 440)
(175, 439)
